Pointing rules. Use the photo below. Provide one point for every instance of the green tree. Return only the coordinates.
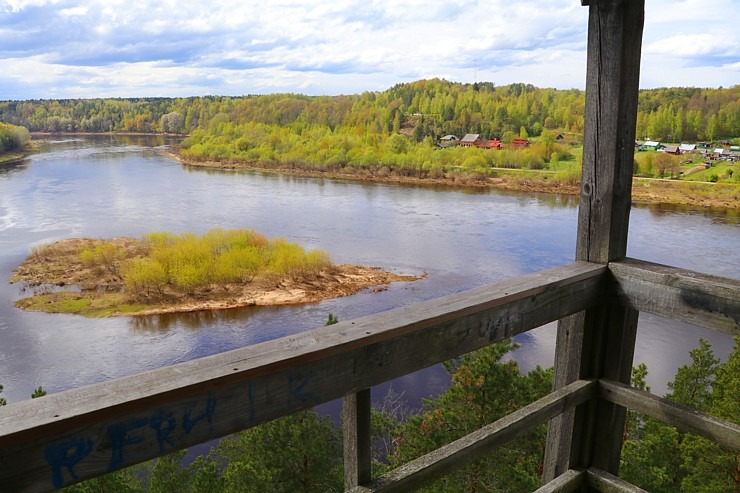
(297, 453)
(331, 320)
(484, 388)
(660, 458)
(39, 392)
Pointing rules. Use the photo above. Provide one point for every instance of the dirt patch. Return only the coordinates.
(99, 291)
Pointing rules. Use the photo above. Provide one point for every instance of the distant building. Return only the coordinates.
(670, 149)
(520, 143)
(449, 141)
(651, 145)
(470, 140)
(684, 148)
(491, 144)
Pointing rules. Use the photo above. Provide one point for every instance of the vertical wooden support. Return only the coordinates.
(357, 441)
(600, 342)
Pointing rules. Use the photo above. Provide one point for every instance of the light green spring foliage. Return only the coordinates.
(12, 138)
(187, 262)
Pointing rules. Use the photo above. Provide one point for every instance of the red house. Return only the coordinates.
(491, 144)
(520, 143)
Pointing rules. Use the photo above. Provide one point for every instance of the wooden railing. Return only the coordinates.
(82, 433)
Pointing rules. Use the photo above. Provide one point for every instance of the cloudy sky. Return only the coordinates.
(132, 48)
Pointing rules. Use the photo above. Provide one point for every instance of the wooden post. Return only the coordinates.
(356, 437)
(600, 341)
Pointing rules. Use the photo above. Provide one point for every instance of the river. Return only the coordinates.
(119, 186)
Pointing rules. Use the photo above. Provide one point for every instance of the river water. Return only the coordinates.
(119, 186)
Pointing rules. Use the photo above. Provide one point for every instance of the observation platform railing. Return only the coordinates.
(81, 433)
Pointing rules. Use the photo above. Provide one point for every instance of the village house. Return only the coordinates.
(670, 149)
(491, 144)
(449, 141)
(520, 143)
(471, 140)
(651, 145)
(686, 148)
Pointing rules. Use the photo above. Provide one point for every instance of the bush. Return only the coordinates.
(188, 262)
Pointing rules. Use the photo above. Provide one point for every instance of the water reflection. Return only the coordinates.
(11, 168)
(159, 324)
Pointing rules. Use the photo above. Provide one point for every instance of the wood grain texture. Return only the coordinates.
(684, 418)
(586, 343)
(357, 449)
(461, 452)
(81, 433)
(567, 482)
(605, 482)
(700, 299)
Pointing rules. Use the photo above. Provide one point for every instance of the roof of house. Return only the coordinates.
(670, 149)
(687, 147)
(470, 138)
(449, 137)
(651, 143)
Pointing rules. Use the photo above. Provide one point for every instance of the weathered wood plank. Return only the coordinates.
(612, 78)
(469, 448)
(719, 431)
(608, 483)
(700, 299)
(357, 450)
(81, 433)
(567, 482)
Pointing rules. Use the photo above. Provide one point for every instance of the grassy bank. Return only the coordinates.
(565, 180)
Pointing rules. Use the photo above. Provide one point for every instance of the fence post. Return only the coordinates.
(600, 341)
(356, 437)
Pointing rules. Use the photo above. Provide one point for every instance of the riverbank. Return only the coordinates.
(48, 274)
(644, 190)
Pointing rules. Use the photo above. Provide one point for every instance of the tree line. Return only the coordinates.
(430, 107)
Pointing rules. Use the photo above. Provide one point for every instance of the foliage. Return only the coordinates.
(383, 133)
(3, 402)
(484, 388)
(660, 458)
(188, 262)
(12, 138)
(39, 392)
(331, 320)
(297, 453)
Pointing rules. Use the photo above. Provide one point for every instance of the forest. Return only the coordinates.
(396, 133)
(431, 108)
(302, 452)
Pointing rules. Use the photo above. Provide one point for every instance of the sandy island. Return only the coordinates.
(97, 293)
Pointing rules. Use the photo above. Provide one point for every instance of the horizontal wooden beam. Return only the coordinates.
(700, 299)
(461, 452)
(608, 483)
(567, 482)
(719, 431)
(81, 433)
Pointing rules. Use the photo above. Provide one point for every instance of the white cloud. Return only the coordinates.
(87, 48)
(688, 45)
